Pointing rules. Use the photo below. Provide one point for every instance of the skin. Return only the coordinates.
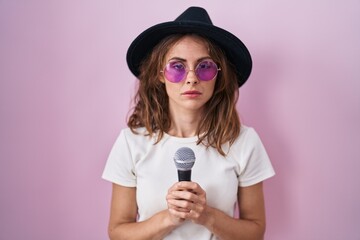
(187, 200)
(186, 109)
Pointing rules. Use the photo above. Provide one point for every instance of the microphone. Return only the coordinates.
(184, 159)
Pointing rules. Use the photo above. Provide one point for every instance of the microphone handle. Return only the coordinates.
(184, 175)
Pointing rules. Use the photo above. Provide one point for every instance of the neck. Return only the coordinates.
(185, 125)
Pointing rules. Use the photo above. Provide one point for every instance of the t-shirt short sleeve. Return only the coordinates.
(254, 163)
(119, 167)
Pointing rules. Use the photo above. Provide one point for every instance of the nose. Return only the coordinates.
(191, 78)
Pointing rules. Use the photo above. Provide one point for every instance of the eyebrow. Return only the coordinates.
(184, 60)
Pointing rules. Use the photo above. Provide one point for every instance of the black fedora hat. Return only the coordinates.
(193, 20)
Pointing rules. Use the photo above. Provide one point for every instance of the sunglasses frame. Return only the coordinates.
(193, 70)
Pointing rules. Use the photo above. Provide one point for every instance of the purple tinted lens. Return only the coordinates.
(175, 71)
(206, 70)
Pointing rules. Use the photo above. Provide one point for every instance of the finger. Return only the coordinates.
(198, 208)
(191, 187)
(189, 197)
(186, 195)
(183, 204)
(192, 210)
(178, 209)
(185, 185)
(174, 187)
(178, 214)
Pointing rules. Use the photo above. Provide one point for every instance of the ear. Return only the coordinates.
(162, 79)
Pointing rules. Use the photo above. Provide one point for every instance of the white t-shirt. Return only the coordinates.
(135, 161)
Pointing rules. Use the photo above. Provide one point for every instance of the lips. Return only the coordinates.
(191, 93)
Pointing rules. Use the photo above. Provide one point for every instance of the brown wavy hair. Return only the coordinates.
(220, 123)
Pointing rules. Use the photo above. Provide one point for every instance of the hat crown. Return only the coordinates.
(194, 14)
(194, 20)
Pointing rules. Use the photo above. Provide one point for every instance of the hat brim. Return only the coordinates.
(235, 50)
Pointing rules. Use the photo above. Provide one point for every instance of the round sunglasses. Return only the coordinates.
(175, 71)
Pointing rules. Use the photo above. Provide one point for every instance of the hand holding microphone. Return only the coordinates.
(186, 199)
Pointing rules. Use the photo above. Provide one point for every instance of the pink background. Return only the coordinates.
(65, 91)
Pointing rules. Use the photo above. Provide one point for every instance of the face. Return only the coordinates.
(190, 94)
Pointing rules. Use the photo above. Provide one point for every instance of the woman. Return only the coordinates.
(189, 72)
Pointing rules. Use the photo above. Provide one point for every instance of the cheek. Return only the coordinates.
(171, 89)
(211, 87)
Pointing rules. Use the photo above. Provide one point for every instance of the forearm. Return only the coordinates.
(156, 227)
(226, 227)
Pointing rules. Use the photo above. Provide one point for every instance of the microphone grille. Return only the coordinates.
(184, 159)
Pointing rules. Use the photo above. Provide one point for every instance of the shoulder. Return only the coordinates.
(247, 135)
(251, 156)
(129, 132)
(137, 133)
(247, 141)
(139, 136)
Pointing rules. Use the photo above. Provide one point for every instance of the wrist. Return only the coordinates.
(169, 221)
(210, 220)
